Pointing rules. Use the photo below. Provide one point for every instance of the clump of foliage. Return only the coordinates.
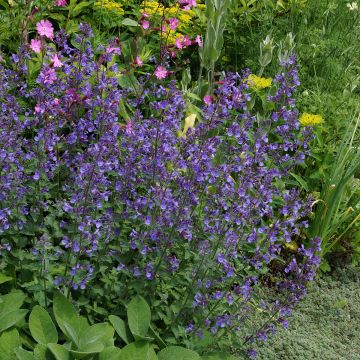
(325, 325)
(110, 191)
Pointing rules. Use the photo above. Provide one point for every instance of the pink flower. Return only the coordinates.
(207, 99)
(187, 4)
(161, 72)
(129, 128)
(35, 45)
(145, 15)
(61, 3)
(56, 102)
(145, 24)
(187, 41)
(39, 109)
(183, 42)
(198, 40)
(113, 50)
(56, 61)
(173, 23)
(45, 28)
(48, 76)
(138, 61)
(179, 42)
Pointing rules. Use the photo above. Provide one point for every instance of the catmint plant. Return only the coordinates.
(194, 216)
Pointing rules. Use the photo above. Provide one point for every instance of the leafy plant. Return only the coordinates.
(338, 204)
(80, 340)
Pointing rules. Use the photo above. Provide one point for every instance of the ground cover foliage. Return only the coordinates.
(325, 325)
(168, 188)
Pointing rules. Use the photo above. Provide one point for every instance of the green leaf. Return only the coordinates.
(110, 353)
(67, 318)
(41, 326)
(9, 341)
(22, 354)
(11, 318)
(42, 352)
(301, 181)
(94, 338)
(11, 301)
(129, 22)
(138, 350)
(4, 278)
(80, 7)
(60, 352)
(177, 353)
(218, 356)
(121, 328)
(92, 349)
(157, 337)
(139, 316)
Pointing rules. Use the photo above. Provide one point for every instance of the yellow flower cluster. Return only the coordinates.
(184, 16)
(110, 6)
(259, 83)
(310, 119)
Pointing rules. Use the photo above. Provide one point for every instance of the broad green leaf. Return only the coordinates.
(138, 350)
(9, 341)
(92, 349)
(22, 354)
(41, 326)
(67, 318)
(218, 356)
(60, 352)
(129, 22)
(177, 353)
(11, 301)
(42, 352)
(98, 334)
(71, 333)
(4, 278)
(121, 328)
(11, 318)
(139, 316)
(110, 353)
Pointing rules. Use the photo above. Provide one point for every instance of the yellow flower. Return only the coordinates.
(110, 6)
(259, 83)
(310, 119)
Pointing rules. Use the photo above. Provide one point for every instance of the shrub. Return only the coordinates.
(110, 191)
